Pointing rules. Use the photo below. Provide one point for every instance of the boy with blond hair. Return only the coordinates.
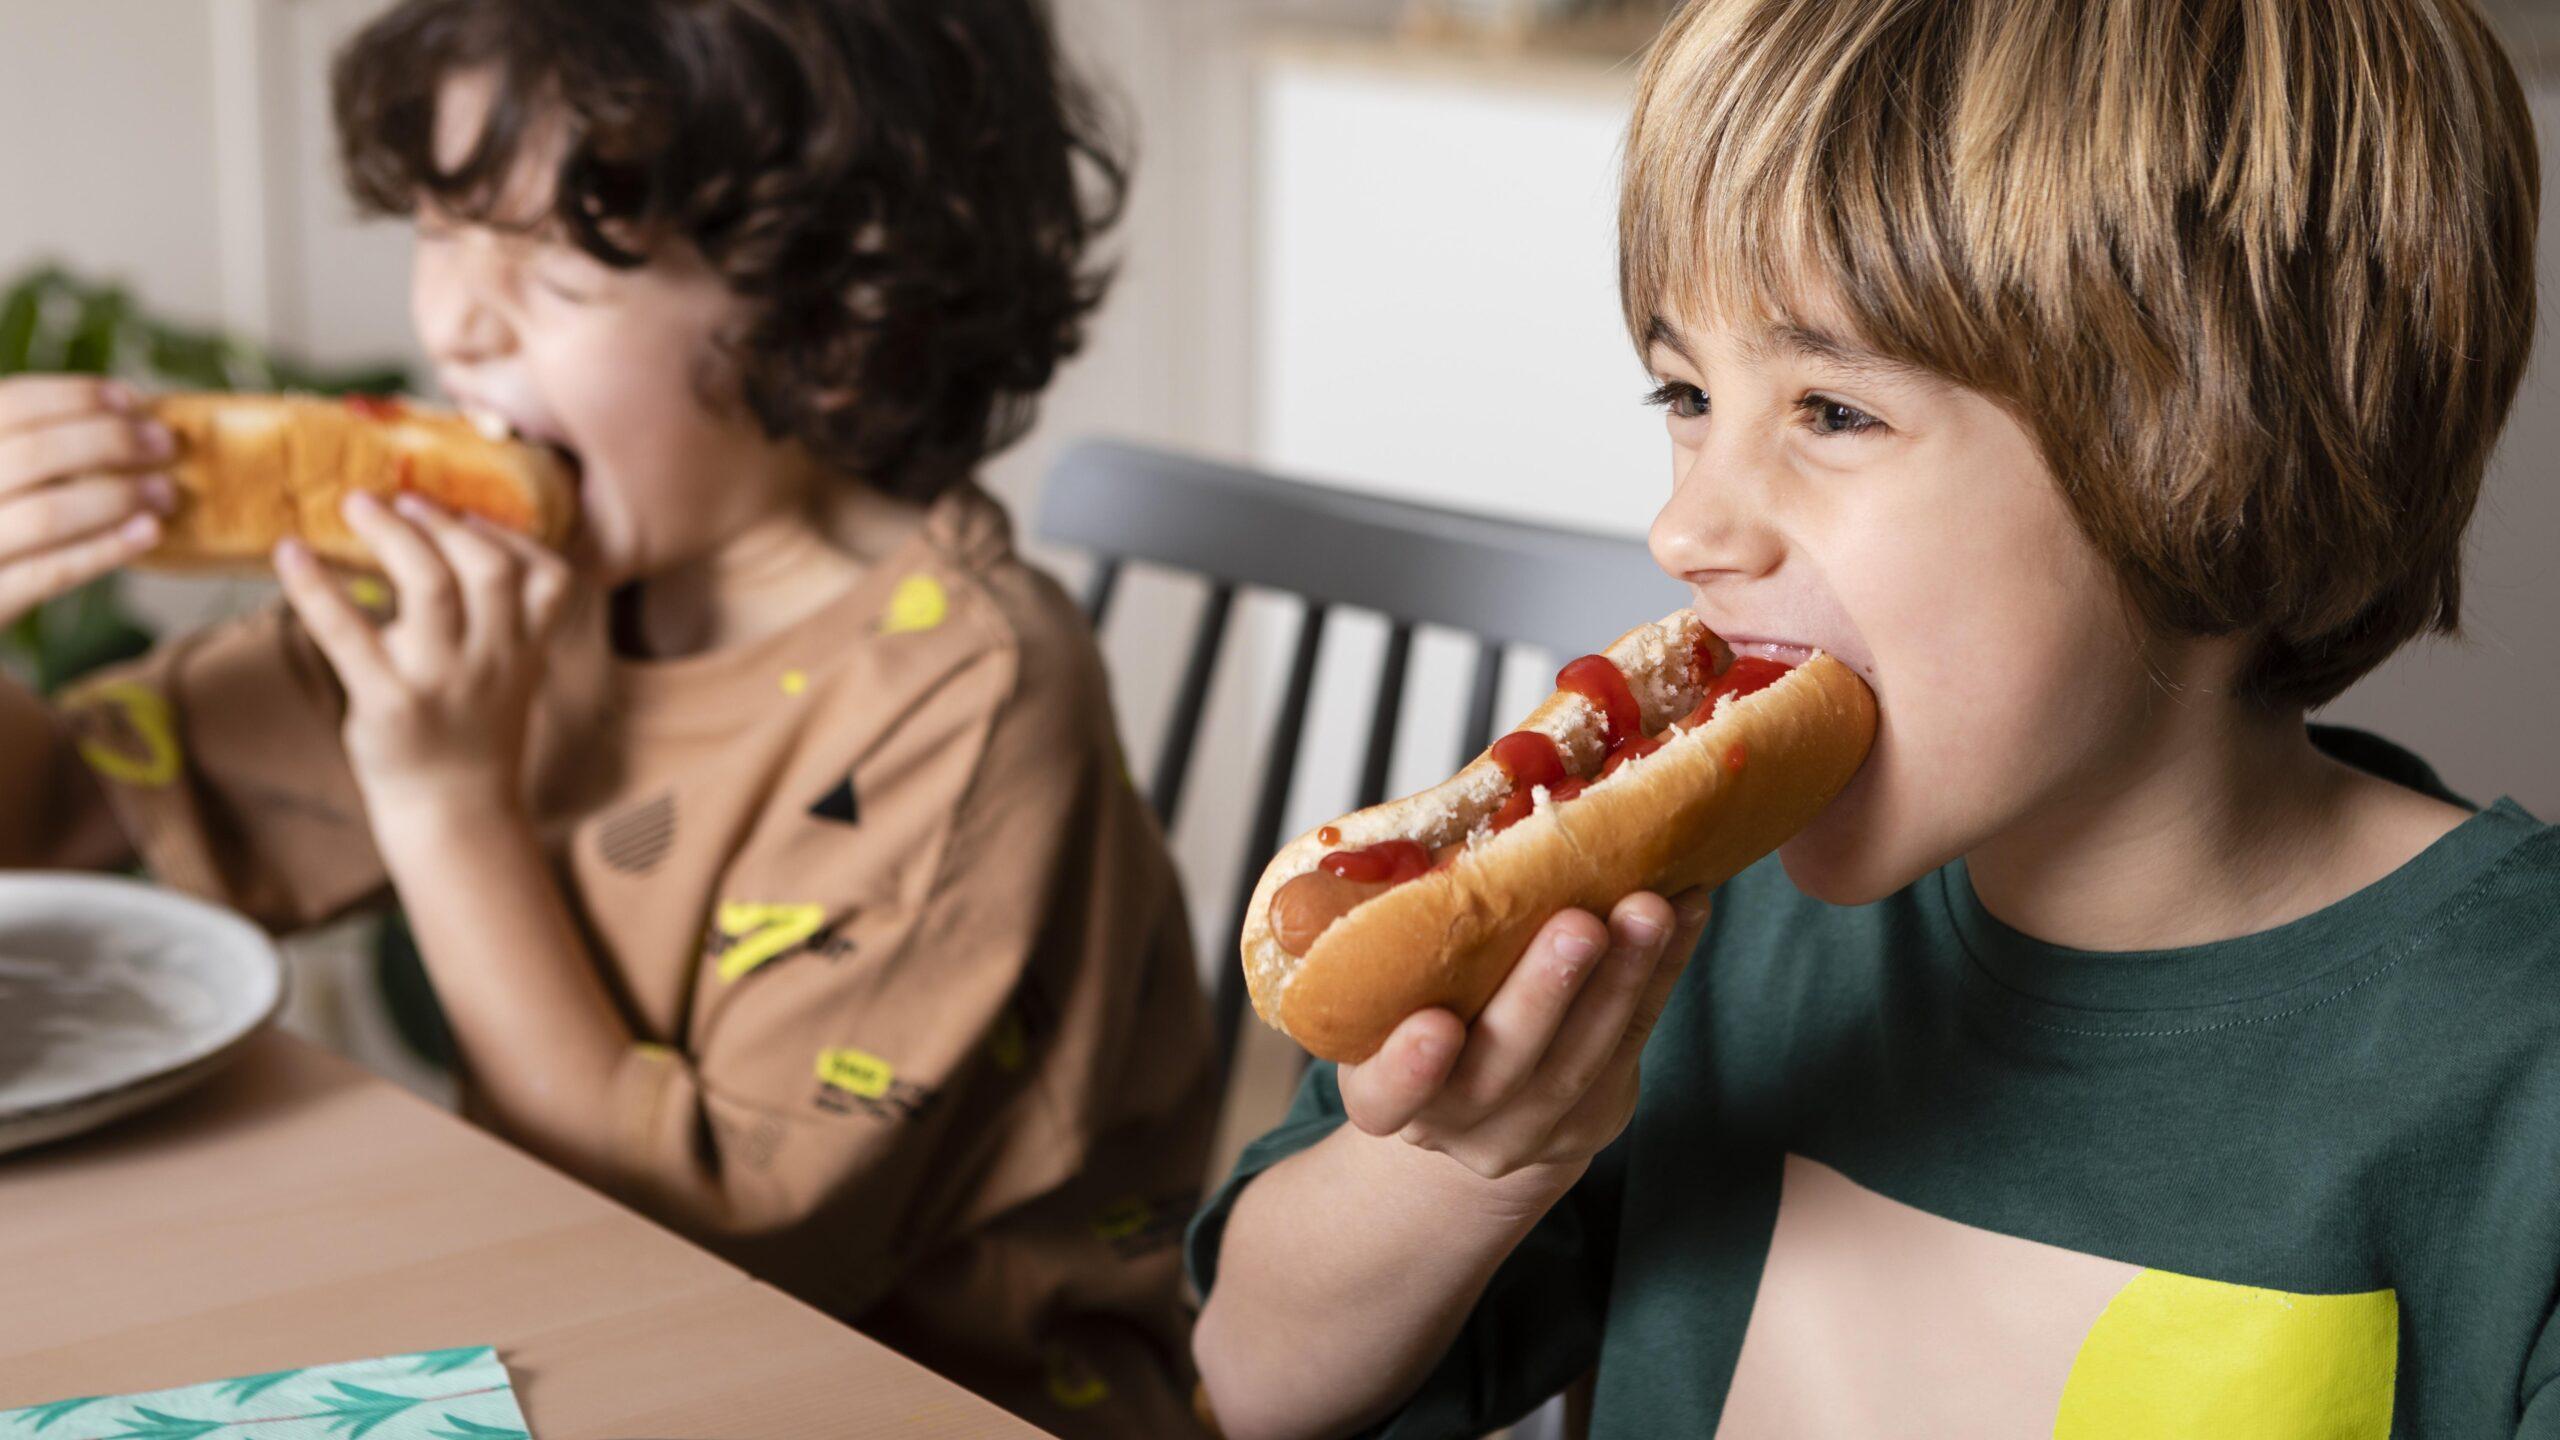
(2109, 383)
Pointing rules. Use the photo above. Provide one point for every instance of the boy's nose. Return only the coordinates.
(1707, 530)
(465, 331)
(459, 316)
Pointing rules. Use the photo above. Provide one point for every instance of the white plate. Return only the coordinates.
(116, 995)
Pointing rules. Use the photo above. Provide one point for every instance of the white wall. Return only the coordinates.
(106, 143)
(1437, 312)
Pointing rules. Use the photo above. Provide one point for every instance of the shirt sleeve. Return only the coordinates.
(914, 1016)
(1535, 1330)
(221, 757)
(2539, 1417)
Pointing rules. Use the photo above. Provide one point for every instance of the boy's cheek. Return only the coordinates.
(1976, 706)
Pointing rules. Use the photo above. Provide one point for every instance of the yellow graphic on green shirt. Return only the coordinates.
(750, 934)
(2177, 1358)
(127, 733)
(919, 603)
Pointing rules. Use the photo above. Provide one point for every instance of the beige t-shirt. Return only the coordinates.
(923, 1041)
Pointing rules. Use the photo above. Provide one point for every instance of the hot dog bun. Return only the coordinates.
(1713, 799)
(255, 469)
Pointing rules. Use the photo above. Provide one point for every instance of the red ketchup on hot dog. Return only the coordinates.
(1344, 879)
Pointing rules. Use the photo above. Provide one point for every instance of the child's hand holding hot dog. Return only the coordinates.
(1546, 1077)
(1515, 1107)
(437, 696)
(81, 488)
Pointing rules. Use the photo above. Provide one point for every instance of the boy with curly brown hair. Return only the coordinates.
(772, 853)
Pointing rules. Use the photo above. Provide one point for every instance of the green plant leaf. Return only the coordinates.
(91, 346)
(249, 1387)
(445, 1362)
(79, 633)
(148, 1424)
(360, 1409)
(44, 1415)
(466, 1430)
(17, 326)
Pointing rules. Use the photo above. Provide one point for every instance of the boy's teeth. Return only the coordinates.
(489, 423)
(1781, 651)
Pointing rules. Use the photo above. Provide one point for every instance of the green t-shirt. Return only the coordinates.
(1899, 1170)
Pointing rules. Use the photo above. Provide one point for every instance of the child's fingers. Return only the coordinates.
(27, 401)
(547, 578)
(1692, 907)
(44, 519)
(27, 583)
(349, 641)
(83, 445)
(523, 547)
(1517, 1026)
(1619, 1006)
(1603, 1108)
(1383, 1093)
(546, 598)
(488, 575)
(430, 607)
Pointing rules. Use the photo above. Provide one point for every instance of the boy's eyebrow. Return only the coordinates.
(1817, 344)
(1807, 341)
(1659, 332)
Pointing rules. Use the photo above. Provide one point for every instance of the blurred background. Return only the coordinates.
(1370, 245)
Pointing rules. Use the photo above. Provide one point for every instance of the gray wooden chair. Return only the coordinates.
(1504, 582)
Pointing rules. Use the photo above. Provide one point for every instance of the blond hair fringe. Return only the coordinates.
(2258, 274)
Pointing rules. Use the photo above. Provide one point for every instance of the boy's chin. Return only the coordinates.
(1837, 880)
(1846, 858)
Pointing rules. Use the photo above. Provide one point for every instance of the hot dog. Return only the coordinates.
(255, 469)
(1665, 763)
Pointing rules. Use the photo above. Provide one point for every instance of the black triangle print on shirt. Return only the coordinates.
(838, 805)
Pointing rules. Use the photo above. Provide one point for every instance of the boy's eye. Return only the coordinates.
(565, 279)
(1688, 402)
(1825, 416)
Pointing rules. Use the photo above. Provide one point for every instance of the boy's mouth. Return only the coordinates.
(1783, 651)
(1796, 652)
(498, 425)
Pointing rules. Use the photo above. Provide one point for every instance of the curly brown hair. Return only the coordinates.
(902, 194)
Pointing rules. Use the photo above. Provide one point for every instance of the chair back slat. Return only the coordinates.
(1269, 812)
(1390, 711)
(1481, 694)
(1098, 588)
(1190, 702)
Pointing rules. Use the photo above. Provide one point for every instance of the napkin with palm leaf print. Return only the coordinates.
(436, 1395)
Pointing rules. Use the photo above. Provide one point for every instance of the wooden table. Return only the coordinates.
(296, 1210)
